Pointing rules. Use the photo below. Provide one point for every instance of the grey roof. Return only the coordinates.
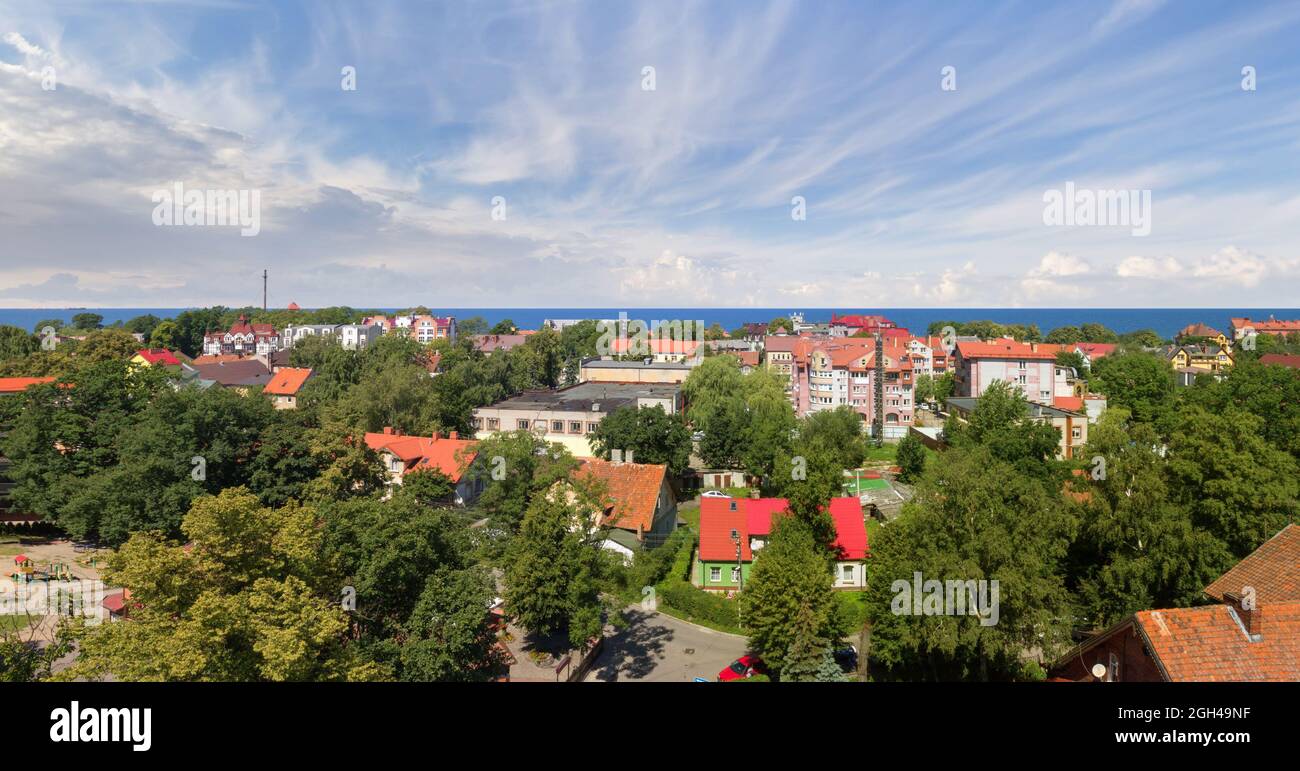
(247, 372)
(636, 364)
(582, 397)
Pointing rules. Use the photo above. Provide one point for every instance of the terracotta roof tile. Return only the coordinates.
(13, 385)
(1207, 644)
(1273, 570)
(632, 488)
(288, 381)
(450, 456)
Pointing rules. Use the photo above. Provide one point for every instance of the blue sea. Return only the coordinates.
(1165, 321)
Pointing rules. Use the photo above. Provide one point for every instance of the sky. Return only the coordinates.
(646, 154)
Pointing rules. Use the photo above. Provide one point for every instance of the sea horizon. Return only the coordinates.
(1164, 321)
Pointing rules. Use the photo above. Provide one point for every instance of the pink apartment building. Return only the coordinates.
(1031, 367)
(826, 373)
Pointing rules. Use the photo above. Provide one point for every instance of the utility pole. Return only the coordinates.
(878, 414)
(263, 289)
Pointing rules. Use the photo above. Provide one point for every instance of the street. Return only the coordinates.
(659, 648)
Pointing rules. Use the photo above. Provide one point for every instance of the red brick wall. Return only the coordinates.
(1134, 663)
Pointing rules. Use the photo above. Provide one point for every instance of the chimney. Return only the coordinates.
(1252, 618)
(628, 456)
(388, 430)
(453, 435)
(616, 456)
(436, 436)
(1033, 347)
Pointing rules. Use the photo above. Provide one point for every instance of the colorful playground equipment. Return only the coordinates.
(28, 570)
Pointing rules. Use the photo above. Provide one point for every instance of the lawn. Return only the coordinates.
(861, 485)
(886, 451)
(14, 622)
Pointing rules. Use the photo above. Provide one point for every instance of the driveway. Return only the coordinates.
(656, 648)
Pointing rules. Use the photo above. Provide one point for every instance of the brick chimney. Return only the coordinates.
(388, 430)
(453, 435)
(436, 436)
(1251, 618)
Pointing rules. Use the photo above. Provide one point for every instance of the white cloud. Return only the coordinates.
(1058, 264)
(1137, 266)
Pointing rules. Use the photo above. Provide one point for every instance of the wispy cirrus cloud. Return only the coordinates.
(616, 194)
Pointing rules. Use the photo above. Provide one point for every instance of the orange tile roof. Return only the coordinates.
(1283, 359)
(718, 517)
(1071, 403)
(655, 345)
(1207, 644)
(423, 452)
(1273, 570)
(1271, 326)
(632, 491)
(13, 385)
(287, 381)
(1007, 349)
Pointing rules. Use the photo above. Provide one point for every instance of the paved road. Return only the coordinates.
(659, 648)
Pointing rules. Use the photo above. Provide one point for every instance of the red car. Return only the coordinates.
(741, 668)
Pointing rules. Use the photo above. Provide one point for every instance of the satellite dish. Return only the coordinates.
(1099, 670)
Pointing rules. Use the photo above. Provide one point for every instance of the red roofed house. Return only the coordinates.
(1240, 327)
(242, 338)
(285, 385)
(1281, 359)
(640, 510)
(734, 530)
(155, 357)
(404, 454)
(16, 385)
(1093, 351)
(1252, 635)
(1031, 367)
(658, 348)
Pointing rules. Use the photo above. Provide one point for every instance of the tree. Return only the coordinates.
(1137, 546)
(16, 344)
(516, 467)
(245, 601)
(975, 518)
(87, 321)
(166, 334)
(808, 649)
(428, 487)
(1073, 360)
(838, 431)
(551, 572)
(1237, 486)
(1142, 338)
(1093, 332)
(911, 458)
(1139, 382)
(789, 595)
(503, 327)
(447, 639)
(1001, 423)
(780, 323)
(1065, 335)
(652, 435)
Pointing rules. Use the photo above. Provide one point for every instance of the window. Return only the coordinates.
(557, 425)
(477, 423)
(735, 575)
(493, 424)
(521, 424)
(846, 572)
(575, 426)
(591, 427)
(715, 574)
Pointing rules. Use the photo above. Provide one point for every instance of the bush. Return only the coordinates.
(694, 604)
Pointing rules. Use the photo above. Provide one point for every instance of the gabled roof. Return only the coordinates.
(1096, 350)
(15, 385)
(1269, 326)
(244, 372)
(753, 517)
(1272, 570)
(287, 381)
(158, 356)
(426, 452)
(1209, 644)
(632, 491)
(1198, 330)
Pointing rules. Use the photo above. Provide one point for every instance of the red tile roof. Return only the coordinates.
(1007, 349)
(753, 517)
(423, 452)
(1071, 403)
(1273, 570)
(1271, 326)
(1198, 330)
(632, 491)
(1096, 350)
(654, 345)
(158, 356)
(718, 517)
(1208, 644)
(288, 381)
(1282, 359)
(13, 385)
(850, 529)
(747, 358)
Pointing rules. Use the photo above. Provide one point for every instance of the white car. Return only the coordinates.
(714, 494)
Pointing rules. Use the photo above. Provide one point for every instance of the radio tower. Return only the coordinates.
(878, 411)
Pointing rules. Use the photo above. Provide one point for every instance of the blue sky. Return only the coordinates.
(678, 196)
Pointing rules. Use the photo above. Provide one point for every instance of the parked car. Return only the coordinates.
(742, 668)
(714, 494)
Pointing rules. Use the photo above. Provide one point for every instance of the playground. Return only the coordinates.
(27, 560)
(862, 482)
